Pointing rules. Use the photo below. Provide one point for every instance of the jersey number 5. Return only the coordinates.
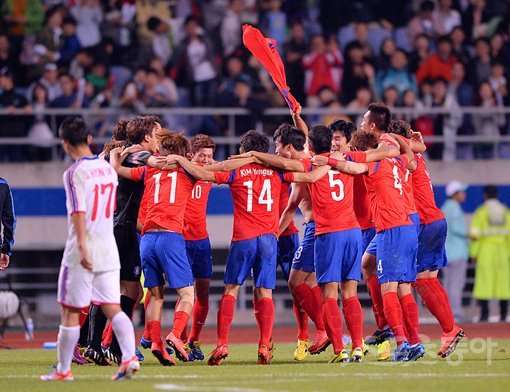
(103, 188)
(264, 197)
(337, 195)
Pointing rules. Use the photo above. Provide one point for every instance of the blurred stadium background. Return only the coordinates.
(441, 65)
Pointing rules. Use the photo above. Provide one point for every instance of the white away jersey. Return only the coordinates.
(91, 186)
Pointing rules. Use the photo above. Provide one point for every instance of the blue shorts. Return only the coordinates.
(165, 252)
(256, 255)
(372, 246)
(200, 258)
(431, 249)
(304, 258)
(415, 218)
(367, 236)
(338, 256)
(287, 246)
(396, 254)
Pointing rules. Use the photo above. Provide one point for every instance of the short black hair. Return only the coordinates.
(320, 139)
(444, 38)
(152, 23)
(254, 141)
(490, 191)
(380, 115)
(288, 134)
(69, 20)
(74, 131)
(427, 5)
(346, 128)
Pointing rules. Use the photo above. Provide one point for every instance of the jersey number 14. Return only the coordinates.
(264, 197)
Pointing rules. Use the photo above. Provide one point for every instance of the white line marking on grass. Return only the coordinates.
(176, 387)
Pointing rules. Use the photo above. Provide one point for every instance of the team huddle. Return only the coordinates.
(369, 212)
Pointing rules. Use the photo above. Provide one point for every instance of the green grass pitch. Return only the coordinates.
(479, 365)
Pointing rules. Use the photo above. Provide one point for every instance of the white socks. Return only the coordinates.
(125, 333)
(67, 339)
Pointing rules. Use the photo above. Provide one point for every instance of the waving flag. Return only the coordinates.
(264, 49)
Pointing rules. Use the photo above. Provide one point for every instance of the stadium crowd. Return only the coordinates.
(138, 54)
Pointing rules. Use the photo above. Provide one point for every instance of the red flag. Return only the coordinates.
(264, 49)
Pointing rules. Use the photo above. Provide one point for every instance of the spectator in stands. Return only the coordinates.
(362, 99)
(155, 94)
(498, 50)
(447, 17)
(319, 68)
(161, 40)
(396, 75)
(275, 22)
(89, 15)
(70, 43)
(499, 83)
(81, 64)
(130, 98)
(70, 98)
(445, 124)
(387, 50)
(457, 246)
(39, 135)
(459, 47)
(49, 80)
(12, 124)
(361, 41)
(480, 66)
(420, 53)
(390, 97)
(465, 95)
(295, 50)
(7, 57)
(475, 19)
(49, 39)
(8, 224)
(357, 73)
(489, 249)
(438, 65)
(168, 84)
(426, 22)
(234, 68)
(230, 29)
(410, 101)
(486, 124)
(196, 57)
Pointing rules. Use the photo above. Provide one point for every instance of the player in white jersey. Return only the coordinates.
(90, 265)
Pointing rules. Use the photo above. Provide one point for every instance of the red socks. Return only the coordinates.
(377, 302)
(225, 317)
(354, 319)
(308, 300)
(265, 320)
(180, 322)
(433, 302)
(154, 331)
(445, 301)
(317, 304)
(200, 310)
(333, 323)
(302, 322)
(107, 334)
(393, 315)
(410, 313)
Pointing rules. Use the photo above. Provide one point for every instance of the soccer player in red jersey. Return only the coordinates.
(432, 255)
(163, 248)
(396, 240)
(377, 120)
(255, 188)
(198, 246)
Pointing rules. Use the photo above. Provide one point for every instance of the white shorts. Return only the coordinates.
(77, 287)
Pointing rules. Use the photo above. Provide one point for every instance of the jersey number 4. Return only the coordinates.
(102, 189)
(264, 197)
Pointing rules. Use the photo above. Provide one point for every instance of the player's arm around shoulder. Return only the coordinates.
(336, 161)
(116, 159)
(197, 171)
(312, 176)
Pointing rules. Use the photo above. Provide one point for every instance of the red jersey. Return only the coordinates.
(168, 192)
(424, 193)
(407, 182)
(284, 201)
(362, 205)
(256, 192)
(332, 201)
(384, 183)
(195, 223)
